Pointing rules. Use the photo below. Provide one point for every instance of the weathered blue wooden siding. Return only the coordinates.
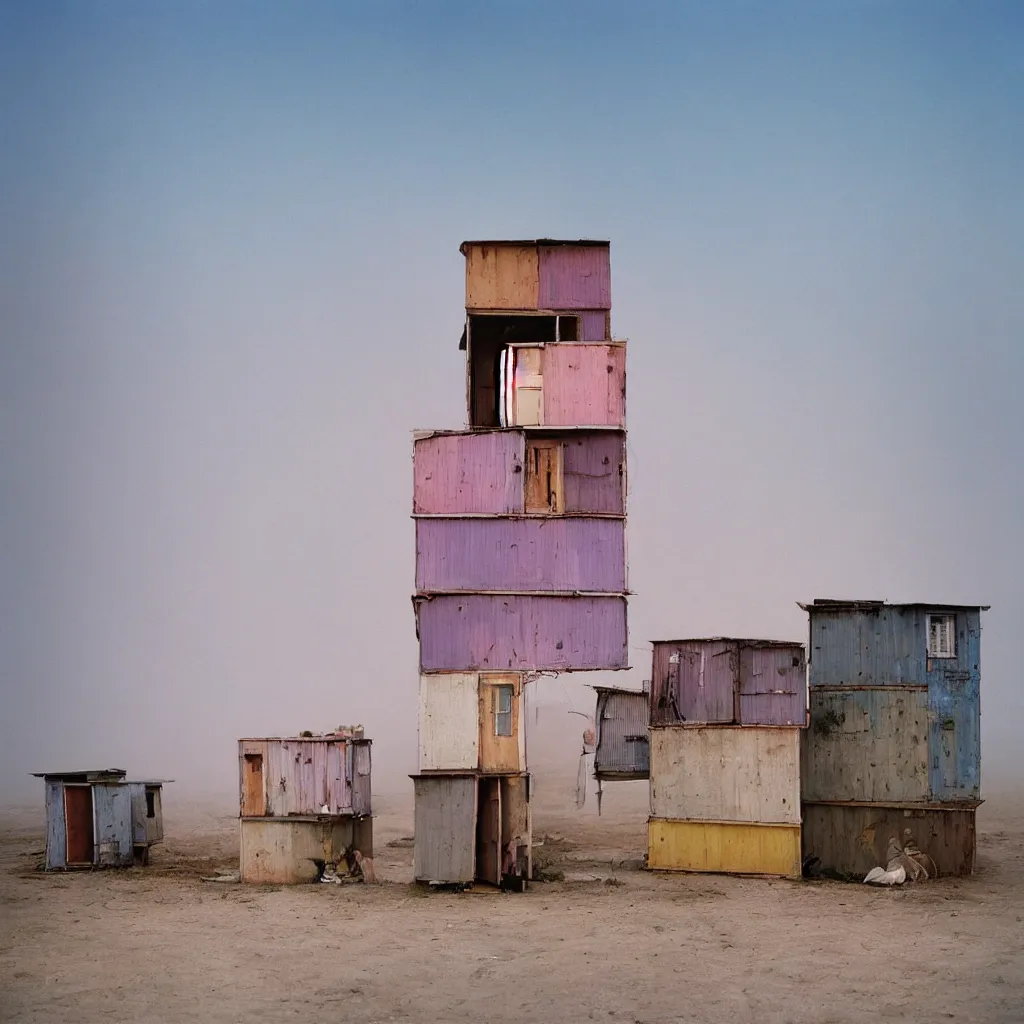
(112, 810)
(56, 831)
(887, 645)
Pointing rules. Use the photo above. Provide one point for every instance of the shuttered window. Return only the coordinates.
(941, 636)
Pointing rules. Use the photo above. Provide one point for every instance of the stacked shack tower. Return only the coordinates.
(520, 542)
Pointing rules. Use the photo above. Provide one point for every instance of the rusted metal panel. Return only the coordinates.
(545, 493)
(725, 680)
(574, 277)
(623, 746)
(487, 632)
(445, 828)
(726, 773)
(584, 385)
(284, 851)
(733, 848)
(479, 473)
(867, 744)
(877, 644)
(497, 554)
(112, 807)
(501, 276)
(594, 473)
(449, 734)
(850, 840)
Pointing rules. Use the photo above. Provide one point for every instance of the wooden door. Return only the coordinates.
(78, 819)
(253, 799)
(544, 476)
(488, 832)
(500, 696)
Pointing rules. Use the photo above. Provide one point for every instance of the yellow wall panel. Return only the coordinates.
(723, 847)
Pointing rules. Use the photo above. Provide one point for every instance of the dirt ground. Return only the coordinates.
(610, 942)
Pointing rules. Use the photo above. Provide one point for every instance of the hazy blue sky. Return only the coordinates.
(230, 288)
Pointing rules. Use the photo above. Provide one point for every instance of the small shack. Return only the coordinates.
(894, 745)
(100, 818)
(304, 804)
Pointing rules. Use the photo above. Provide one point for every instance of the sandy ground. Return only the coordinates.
(610, 942)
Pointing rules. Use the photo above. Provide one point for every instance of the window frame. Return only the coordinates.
(947, 651)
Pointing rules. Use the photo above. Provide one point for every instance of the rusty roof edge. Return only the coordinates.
(618, 689)
(597, 243)
(326, 737)
(746, 641)
(833, 604)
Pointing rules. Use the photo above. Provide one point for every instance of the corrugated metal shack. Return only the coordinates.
(894, 745)
(622, 744)
(101, 818)
(520, 543)
(726, 716)
(304, 803)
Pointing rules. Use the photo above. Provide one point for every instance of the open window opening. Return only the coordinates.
(941, 636)
(150, 803)
(489, 337)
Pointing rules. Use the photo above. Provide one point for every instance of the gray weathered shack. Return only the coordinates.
(99, 818)
(622, 746)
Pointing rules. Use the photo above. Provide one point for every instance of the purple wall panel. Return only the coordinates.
(574, 277)
(521, 554)
(483, 632)
(593, 467)
(773, 690)
(464, 473)
(595, 325)
(584, 385)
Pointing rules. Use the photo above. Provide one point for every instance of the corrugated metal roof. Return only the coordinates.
(602, 242)
(830, 604)
(746, 642)
(87, 775)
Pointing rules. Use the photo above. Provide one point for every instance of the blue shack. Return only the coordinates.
(894, 744)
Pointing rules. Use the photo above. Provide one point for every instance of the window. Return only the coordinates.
(941, 636)
(150, 803)
(544, 471)
(502, 704)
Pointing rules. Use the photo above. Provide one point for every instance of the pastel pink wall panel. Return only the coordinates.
(567, 554)
(468, 473)
(584, 385)
(575, 277)
(486, 632)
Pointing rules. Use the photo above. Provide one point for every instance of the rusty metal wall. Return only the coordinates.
(887, 645)
(852, 839)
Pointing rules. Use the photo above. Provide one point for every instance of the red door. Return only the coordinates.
(78, 820)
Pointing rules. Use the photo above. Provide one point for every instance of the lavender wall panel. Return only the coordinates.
(484, 632)
(595, 325)
(575, 277)
(593, 473)
(584, 385)
(468, 473)
(773, 686)
(521, 554)
(693, 681)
